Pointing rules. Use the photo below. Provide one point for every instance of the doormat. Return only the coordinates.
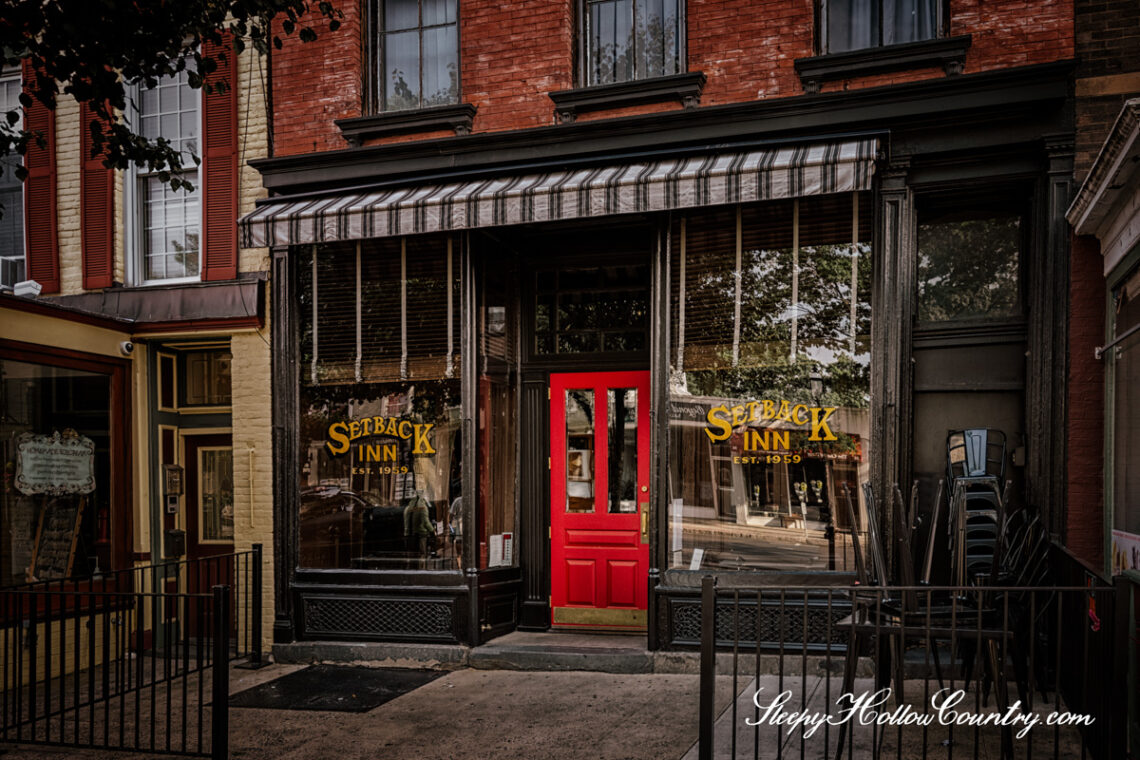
(335, 688)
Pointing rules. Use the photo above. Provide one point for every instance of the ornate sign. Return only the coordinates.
(55, 464)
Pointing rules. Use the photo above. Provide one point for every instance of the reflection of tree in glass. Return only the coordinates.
(823, 323)
(968, 268)
(649, 50)
(186, 254)
(401, 96)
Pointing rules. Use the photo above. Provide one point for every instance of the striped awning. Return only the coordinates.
(629, 188)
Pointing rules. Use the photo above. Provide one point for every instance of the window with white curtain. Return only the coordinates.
(418, 55)
(11, 189)
(631, 39)
(859, 24)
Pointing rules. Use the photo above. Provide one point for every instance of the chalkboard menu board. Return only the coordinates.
(56, 537)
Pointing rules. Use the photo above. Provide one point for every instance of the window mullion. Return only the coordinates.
(854, 268)
(795, 279)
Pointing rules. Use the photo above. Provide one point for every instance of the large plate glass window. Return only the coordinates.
(631, 39)
(55, 443)
(770, 385)
(859, 24)
(380, 441)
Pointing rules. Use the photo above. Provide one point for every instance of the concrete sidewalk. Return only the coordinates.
(471, 714)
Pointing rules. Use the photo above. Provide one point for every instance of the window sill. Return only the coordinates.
(949, 53)
(458, 117)
(684, 88)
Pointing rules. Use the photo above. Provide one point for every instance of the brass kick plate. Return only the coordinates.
(597, 616)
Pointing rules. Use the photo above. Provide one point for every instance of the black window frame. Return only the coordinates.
(583, 44)
(374, 74)
(942, 28)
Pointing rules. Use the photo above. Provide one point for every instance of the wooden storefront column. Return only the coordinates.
(892, 310)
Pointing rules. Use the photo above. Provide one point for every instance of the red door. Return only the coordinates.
(599, 488)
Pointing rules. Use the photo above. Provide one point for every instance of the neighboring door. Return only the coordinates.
(209, 508)
(599, 488)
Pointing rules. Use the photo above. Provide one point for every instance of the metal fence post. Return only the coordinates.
(708, 668)
(255, 621)
(220, 715)
(1122, 617)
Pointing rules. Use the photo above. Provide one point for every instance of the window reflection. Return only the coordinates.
(621, 409)
(770, 388)
(579, 451)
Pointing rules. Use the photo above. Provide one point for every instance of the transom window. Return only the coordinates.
(11, 190)
(417, 63)
(168, 221)
(859, 24)
(631, 39)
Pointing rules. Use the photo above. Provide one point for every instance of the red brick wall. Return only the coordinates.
(516, 51)
(316, 82)
(1084, 518)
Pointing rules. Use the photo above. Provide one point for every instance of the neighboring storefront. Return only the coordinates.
(558, 395)
(1107, 208)
(65, 444)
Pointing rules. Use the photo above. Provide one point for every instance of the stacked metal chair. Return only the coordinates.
(975, 469)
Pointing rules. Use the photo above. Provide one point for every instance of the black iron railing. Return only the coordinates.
(134, 660)
(1023, 653)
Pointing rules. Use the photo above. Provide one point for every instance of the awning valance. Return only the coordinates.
(628, 188)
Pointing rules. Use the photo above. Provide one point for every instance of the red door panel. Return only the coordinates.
(599, 470)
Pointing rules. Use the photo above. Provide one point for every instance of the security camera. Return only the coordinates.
(126, 348)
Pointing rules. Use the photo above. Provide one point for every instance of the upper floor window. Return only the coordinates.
(631, 39)
(858, 24)
(417, 59)
(167, 222)
(11, 190)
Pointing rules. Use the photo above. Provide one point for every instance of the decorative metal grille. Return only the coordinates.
(378, 617)
(742, 625)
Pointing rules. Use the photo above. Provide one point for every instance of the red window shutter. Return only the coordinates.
(220, 167)
(97, 199)
(40, 234)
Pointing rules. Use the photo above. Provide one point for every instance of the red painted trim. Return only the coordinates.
(41, 243)
(220, 166)
(231, 323)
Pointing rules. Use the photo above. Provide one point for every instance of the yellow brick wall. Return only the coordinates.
(68, 161)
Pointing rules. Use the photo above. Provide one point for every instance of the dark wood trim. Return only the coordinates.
(974, 99)
(284, 387)
(1046, 400)
(892, 370)
(969, 333)
(949, 53)
(458, 117)
(683, 88)
(660, 341)
(469, 409)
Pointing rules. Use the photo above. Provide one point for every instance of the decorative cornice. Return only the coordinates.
(684, 88)
(1115, 165)
(458, 117)
(949, 53)
(969, 98)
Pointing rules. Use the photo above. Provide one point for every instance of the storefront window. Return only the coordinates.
(770, 384)
(55, 442)
(968, 264)
(496, 474)
(1126, 427)
(380, 402)
(581, 310)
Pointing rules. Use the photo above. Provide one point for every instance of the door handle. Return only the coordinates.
(644, 522)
